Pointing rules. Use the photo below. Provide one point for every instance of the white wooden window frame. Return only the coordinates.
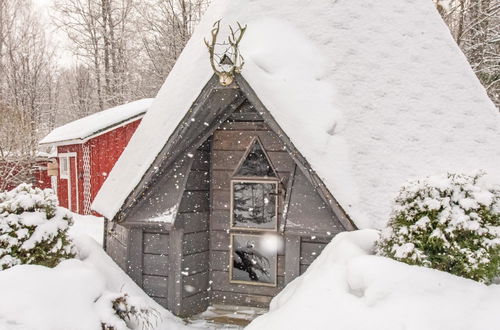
(64, 169)
(276, 201)
(231, 260)
(70, 180)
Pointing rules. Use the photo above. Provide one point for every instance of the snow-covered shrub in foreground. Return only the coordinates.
(119, 311)
(33, 229)
(446, 222)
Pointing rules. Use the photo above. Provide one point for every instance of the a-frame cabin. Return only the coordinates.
(233, 213)
(337, 105)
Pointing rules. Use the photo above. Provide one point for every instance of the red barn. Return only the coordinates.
(87, 150)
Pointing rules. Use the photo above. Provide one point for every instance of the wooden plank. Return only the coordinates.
(238, 299)
(198, 180)
(234, 140)
(221, 179)
(195, 243)
(192, 221)
(219, 260)
(303, 268)
(220, 220)
(310, 251)
(292, 257)
(195, 201)
(221, 199)
(155, 243)
(195, 263)
(174, 290)
(317, 217)
(220, 282)
(162, 301)
(135, 255)
(219, 241)
(243, 126)
(117, 251)
(201, 161)
(245, 117)
(281, 161)
(156, 286)
(195, 304)
(155, 264)
(229, 160)
(120, 233)
(226, 160)
(194, 284)
(316, 239)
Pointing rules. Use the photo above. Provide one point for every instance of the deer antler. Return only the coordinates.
(233, 41)
(211, 47)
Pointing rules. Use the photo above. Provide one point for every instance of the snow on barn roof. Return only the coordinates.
(80, 130)
(371, 92)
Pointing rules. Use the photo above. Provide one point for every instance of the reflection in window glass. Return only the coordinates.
(64, 170)
(254, 204)
(256, 163)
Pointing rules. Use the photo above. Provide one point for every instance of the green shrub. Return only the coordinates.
(33, 229)
(447, 222)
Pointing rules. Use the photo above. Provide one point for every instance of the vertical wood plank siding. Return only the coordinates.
(230, 142)
(194, 212)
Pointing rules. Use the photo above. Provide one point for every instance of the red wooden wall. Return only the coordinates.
(105, 150)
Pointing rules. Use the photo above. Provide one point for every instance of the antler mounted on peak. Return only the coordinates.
(225, 57)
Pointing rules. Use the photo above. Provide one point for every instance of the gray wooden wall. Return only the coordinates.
(230, 142)
(155, 267)
(185, 266)
(192, 219)
(116, 244)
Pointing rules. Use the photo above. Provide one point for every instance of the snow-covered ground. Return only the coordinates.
(345, 288)
(348, 288)
(61, 298)
(88, 225)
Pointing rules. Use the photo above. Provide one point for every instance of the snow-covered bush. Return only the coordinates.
(447, 222)
(119, 311)
(33, 229)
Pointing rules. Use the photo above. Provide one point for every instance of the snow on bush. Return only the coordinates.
(119, 311)
(346, 287)
(33, 229)
(448, 222)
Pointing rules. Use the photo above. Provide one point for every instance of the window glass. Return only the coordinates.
(63, 169)
(256, 163)
(254, 204)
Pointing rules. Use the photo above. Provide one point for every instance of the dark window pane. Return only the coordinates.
(256, 163)
(254, 205)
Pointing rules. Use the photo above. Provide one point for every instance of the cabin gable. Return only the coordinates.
(222, 183)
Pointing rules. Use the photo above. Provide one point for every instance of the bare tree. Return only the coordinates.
(166, 25)
(475, 25)
(29, 90)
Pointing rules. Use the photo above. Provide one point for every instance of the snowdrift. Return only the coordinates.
(348, 288)
(36, 297)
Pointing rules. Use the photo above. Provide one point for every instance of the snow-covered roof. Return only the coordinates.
(371, 92)
(80, 130)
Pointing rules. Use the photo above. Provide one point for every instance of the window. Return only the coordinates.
(64, 167)
(254, 204)
(254, 208)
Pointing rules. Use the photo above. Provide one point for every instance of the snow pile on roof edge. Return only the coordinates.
(87, 126)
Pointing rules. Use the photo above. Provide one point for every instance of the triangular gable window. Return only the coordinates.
(255, 162)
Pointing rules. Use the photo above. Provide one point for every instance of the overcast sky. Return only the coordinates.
(57, 36)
